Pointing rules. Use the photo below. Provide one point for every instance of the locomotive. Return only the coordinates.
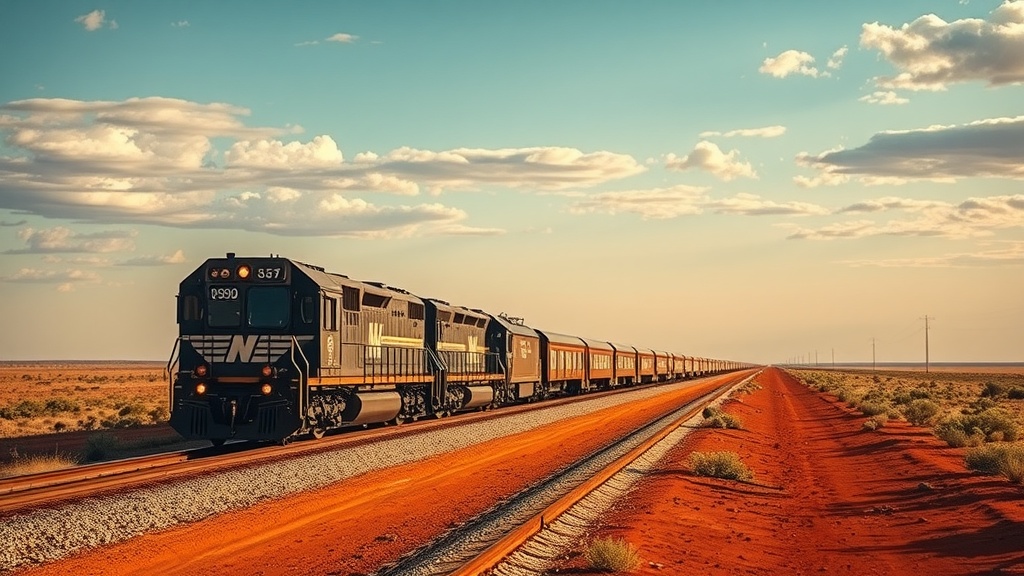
(271, 348)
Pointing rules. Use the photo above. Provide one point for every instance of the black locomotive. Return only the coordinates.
(271, 348)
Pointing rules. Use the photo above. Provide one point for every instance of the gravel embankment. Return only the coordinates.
(52, 533)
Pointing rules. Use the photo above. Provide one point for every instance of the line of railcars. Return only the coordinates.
(271, 348)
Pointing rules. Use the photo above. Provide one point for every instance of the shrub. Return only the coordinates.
(875, 422)
(56, 406)
(100, 446)
(1007, 460)
(954, 434)
(872, 408)
(920, 411)
(993, 390)
(994, 424)
(1016, 393)
(720, 465)
(613, 555)
(715, 418)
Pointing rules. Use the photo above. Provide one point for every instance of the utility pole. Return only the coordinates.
(926, 343)
(872, 353)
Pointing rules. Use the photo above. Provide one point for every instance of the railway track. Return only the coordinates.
(516, 536)
(37, 490)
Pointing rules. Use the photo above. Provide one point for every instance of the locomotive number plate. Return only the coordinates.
(270, 273)
(223, 293)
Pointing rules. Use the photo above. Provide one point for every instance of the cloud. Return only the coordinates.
(753, 205)
(655, 204)
(62, 240)
(94, 20)
(180, 24)
(1007, 254)
(990, 148)
(18, 223)
(177, 258)
(930, 53)
(343, 38)
(177, 163)
(64, 279)
(974, 217)
(884, 98)
(789, 62)
(765, 132)
(709, 157)
(835, 61)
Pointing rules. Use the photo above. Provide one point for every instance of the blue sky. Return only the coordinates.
(745, 180)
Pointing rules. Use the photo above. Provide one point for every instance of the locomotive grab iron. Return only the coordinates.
(270, 348)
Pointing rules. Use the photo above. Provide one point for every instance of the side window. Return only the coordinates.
(306, 310)
(330, 313)
(350, 298)
(190, 309)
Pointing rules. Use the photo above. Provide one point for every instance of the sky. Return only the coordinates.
(755, 181)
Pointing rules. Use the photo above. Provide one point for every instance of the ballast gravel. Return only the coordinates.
(52, 533)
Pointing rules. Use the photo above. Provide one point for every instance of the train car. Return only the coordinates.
(662, 366)
(678, 366)
(563, 363)
(516, 354)
(600, 363)
(645, 365)
(459, 337)
(625, 364)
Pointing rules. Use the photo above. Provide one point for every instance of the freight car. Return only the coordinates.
(270, 348)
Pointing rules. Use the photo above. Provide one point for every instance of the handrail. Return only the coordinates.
(303, 376)
(172, 360)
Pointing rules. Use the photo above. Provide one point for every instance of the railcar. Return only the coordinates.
(270, 348)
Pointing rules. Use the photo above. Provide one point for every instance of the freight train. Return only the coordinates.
(271, 348)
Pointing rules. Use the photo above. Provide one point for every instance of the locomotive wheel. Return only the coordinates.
(217, 442)
(318, 433)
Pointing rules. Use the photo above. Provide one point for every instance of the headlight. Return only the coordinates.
(201, 370)
(266, 389)
(244, 271)
(267, 371)
(200, 388)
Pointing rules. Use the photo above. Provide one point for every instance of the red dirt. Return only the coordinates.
(826, 498)
(359, 524)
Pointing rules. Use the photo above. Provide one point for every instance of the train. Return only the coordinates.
(272, 349)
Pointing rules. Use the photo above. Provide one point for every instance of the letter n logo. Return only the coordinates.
(241, 348)
(375, 339)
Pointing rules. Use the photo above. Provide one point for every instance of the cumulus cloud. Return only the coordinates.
(63, 240)
(18, 223)
(974, 217)
(930, 53)
(180, 24)
(709, 157)
(884, 98)
(835, 61)
(94, 20)
(990, 148)
(160, 260)
(789, 62)
(184, 164)
(765, 132)
(1003, 254)
(342, 37)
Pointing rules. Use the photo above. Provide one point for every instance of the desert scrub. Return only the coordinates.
(873, 407)
(725, 465)
(875, 422)
(37, 464)
(991, 425)
(715, 418)
(952, 432)
(1005, 459)
(920, 411)
(101, 446)
(613, 555)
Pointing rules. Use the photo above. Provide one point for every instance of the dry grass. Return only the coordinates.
(613, 555)
(725, 465)
(43, 398)
(37, 464)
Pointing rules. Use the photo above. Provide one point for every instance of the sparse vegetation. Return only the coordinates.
(725, 465)
(100, 446)
(1005, 459)
(613, 555)
(921, 411)
(875, 422)
(714, 417)
(36, 464)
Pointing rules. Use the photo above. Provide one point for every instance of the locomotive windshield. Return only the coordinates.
(268, 307)
(225, 306)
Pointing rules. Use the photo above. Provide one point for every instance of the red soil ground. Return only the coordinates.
(827, 498)
(355, 526)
